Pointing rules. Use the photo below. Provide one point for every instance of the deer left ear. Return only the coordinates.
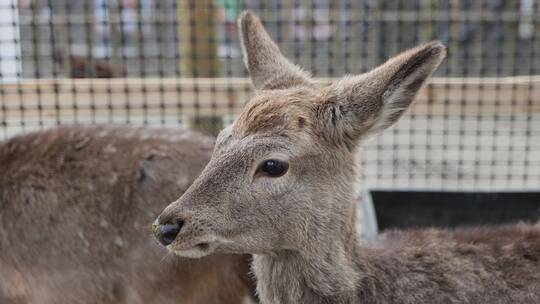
(268, 68)
(355, 106)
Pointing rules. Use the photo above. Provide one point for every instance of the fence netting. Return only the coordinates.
(177, 63)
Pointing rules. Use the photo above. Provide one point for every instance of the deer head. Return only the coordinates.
(282, 176)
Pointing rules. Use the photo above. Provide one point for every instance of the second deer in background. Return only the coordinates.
(76, 203)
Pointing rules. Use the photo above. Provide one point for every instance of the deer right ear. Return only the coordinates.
(267, 66)
(355, 106)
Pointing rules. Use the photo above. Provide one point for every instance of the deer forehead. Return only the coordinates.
(282, 112)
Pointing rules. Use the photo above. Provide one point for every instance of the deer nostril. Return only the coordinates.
(166, 233)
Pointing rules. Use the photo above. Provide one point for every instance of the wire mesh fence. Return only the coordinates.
(476, 125)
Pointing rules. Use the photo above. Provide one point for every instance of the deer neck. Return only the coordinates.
(322, 273)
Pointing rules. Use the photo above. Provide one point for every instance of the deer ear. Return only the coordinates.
(267, 67)
(356, 106)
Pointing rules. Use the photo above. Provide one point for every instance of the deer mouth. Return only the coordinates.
(198, 250)
(203, 246)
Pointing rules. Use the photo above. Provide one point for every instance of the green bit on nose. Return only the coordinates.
(155, 228)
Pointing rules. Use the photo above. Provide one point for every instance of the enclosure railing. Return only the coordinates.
(178, 63)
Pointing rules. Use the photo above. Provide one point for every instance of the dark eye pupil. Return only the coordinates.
(274, 167)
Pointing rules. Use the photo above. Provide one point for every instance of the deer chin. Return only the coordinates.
(199, 251)
(196, 249)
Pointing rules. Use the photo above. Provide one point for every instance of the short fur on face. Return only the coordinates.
(313, 128)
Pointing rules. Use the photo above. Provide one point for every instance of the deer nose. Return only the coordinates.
(166, 233)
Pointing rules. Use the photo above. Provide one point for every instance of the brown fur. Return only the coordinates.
(76, 205)
(473, 265)
(269, 111)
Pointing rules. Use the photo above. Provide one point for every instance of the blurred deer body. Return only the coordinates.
(76, 205)
(280, 185)
(77, 66)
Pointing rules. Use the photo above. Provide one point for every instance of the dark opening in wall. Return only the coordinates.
(419, 209)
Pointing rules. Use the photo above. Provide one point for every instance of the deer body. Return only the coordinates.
(75, 208)
(280, 186)
(432, 266)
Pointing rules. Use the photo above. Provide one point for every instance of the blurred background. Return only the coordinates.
(474, 127)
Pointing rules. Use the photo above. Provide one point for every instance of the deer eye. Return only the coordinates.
(273, 168)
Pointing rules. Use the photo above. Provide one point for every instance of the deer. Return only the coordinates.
(74, 203)
(280, 186)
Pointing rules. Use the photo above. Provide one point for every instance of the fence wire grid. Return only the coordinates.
(475, 126)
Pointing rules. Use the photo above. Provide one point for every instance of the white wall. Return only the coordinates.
(10, 47)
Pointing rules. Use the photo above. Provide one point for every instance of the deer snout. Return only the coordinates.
(166, 231)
